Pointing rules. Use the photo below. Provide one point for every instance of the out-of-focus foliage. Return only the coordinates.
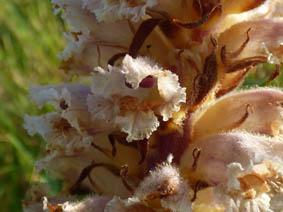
(261, 76)
(30, 38)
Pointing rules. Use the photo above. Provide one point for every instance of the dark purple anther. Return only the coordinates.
(147, 82)
(63, 105)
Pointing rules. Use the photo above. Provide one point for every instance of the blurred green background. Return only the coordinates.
(30, 38)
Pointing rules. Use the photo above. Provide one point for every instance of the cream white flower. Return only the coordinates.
(131, 107)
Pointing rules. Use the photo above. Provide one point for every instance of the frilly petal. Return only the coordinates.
(261, 203)
(74, 95)
(171, 91)
(136, 70)
(134, 109)
(60, 136)
(102, 109)
(41, 95)
(75, 16)
(109, 84)
(75, 46)
(70, 101)
(169, 88)
(138, 124)
(110, 11)
(40, 124)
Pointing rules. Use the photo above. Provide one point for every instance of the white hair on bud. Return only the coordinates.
(166, 177)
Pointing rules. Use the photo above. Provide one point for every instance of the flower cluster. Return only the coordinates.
(149, 119)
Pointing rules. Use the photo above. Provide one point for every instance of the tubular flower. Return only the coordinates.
(157, 124)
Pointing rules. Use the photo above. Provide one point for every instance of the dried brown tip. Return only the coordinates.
(196, 189)
(234, 84)
(229, 55)
(246, 63)
(200, 22)
(249, 110)
(111, 139)
(275, 74)
(123, 173)
(115, 57)
(86, 173)
(93, 184)
(206, 80)
(142, 146)
(199, 185)
(105, 151)
(142, 33)
(196, 156)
